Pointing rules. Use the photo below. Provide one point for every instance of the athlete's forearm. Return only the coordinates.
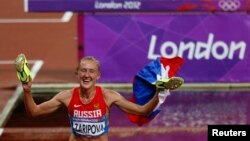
(29, 103)
(150, 106)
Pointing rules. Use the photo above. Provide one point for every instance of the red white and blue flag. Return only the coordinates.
(144, 85)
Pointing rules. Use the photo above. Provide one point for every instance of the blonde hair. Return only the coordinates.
(90, 58)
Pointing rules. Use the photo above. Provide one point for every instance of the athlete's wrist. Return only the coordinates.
(27, 91)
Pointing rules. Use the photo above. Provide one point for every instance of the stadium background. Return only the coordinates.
(41, 36)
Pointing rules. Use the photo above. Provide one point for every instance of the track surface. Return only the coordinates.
(53, 42)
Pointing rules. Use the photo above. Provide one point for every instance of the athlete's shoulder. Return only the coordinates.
(68, 91)
(111, 94)
(65, 94)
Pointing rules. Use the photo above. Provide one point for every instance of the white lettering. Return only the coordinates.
(224, 52)
(219, 50)
(189, 46)
(171, 45)
(88, 114)
(108, 5)
(216, 132)
(151, 54)
(204, 47)
(130, 5)
(89, 129)
(241, 46)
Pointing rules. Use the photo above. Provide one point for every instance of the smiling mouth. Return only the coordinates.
(86, 81)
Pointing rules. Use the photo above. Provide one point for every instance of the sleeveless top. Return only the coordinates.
(88, 120)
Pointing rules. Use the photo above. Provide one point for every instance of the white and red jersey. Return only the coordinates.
(88, 120)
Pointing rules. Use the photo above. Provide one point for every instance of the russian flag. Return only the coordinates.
(144, 85)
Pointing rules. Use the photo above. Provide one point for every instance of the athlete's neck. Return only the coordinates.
(87, 95)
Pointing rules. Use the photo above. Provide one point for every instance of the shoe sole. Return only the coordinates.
(22, 68)
(173, 83)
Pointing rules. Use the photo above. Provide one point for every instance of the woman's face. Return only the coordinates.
(87, 73)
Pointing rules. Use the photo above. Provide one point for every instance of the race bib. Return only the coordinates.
(89, 127)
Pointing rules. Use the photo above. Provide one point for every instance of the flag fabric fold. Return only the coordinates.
(144, 85)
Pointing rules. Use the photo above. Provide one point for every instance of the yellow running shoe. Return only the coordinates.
(169, 83)
(22, 68)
